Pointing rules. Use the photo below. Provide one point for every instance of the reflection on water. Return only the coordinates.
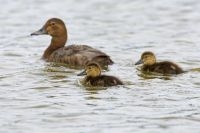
(47, 97)
(154, 76)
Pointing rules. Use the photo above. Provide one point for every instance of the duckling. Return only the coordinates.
(94, 77)
(74, 55)
(148, 60)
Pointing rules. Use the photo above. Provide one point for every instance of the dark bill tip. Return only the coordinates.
(39, 32)
(82, 73)
(139, 62)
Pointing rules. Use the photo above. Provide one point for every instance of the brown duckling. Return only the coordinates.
(94, 77)
(74, 55)
(148, 60)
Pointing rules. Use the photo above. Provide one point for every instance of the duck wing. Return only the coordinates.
(167, 67)
(79, 55)
(103, 80)
(111, 80)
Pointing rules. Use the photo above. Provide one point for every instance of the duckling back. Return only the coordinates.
(164, 67)
(103, 80)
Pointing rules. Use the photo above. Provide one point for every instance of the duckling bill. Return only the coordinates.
(94, 77)
(74, 55)
(148, 60)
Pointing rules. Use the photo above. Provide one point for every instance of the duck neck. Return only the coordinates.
(56, 43)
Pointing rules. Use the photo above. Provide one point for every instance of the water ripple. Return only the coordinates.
(48, 97)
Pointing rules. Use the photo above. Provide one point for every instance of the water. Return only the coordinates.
(40, 97)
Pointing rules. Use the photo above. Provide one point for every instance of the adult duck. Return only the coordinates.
(73, 55)
(94, 77)
(148, 60)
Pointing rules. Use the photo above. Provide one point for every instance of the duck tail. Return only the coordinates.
(109, 61)
(103, 61)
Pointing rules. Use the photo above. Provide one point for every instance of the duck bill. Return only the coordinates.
(42, 31)
(82, 73)
(139, 62)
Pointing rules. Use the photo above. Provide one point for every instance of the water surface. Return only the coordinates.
(39, 97)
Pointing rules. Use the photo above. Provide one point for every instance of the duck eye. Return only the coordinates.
(52, 23)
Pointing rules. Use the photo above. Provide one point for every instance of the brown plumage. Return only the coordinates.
(74, 55)
(94, 77)
(148, 60)
(103, 80)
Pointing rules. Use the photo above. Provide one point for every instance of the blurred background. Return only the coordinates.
(40, 97)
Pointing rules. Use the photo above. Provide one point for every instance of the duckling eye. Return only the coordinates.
(145, 57)
(52, 24)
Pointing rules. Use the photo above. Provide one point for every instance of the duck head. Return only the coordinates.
(92, 69)
(147, 58)
(54, 27)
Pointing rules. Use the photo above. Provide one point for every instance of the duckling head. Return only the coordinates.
(147, 58)
(92, 69)
(54, 27)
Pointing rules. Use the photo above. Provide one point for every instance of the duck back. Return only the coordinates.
(79, 55)
(103, 80)
(164, 67)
